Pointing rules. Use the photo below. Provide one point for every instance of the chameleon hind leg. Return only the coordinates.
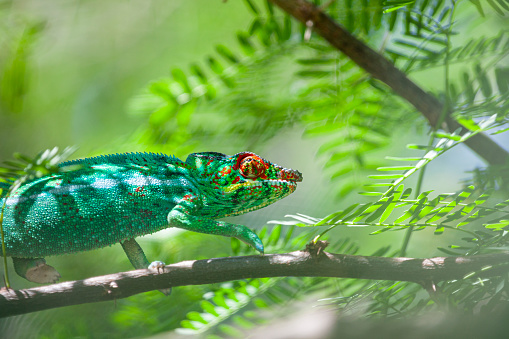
(138, 259)
(35, 270)
(181, 217)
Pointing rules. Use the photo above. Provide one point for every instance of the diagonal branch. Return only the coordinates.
(382, 69)
(208, 271)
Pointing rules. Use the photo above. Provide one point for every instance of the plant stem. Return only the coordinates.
(4, 251)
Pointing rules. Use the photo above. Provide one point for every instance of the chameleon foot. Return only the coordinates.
(159, 266)
(36, 270)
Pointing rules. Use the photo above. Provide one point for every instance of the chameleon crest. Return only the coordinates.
(97, 202)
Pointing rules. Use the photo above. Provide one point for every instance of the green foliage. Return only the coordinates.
(354, 117)
(172, 104)
(280, 76)
(14, 173)
(238, 306)
(397, 211)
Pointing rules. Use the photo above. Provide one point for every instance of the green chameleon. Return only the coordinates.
(100, 201)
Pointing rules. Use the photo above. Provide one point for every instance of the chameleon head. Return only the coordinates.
(244, 181)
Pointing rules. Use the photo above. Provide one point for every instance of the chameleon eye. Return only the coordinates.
(251, 167)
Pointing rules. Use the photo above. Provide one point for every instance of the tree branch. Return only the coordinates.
(382, 69)
(296, 264)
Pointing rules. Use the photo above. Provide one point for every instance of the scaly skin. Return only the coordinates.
(97, 202)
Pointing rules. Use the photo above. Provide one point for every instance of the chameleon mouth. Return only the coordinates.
(289, 175)
(275, 183)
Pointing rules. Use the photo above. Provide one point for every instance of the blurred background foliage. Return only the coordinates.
(185, 76)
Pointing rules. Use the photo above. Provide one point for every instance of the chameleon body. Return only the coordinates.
(100, 201)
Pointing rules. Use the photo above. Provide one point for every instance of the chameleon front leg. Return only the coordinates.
(35, 270)
(181, 217)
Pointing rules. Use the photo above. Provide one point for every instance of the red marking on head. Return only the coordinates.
(225, 171)
(189, 197)
(290, 175)
(252, 166)
(240, 158)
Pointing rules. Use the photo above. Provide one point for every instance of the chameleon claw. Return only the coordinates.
(258, 245)
(250, 238)
(157, 265)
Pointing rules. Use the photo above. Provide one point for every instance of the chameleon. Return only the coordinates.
(100, 201)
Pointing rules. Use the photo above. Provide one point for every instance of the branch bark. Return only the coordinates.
(296, 264)
(382, 69)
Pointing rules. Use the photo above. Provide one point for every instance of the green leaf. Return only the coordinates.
(417, 147)
(390, 6)
(245, 43)
(388, 210)
(499, 226)
(188, 324)
(195, 316)
(379, 211)
(230, 331)
(334, 217)
(439, 230)
(402, 158)
(468, 123)
(215, 66)
(371, 194)
(500, 131)
(227, 54)
(448, 136)
(316, 61)
(208, 307)
(313, 73)
(478, 6)
(385, 176)
(395, 168)
(252, 7)
(495, 7)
